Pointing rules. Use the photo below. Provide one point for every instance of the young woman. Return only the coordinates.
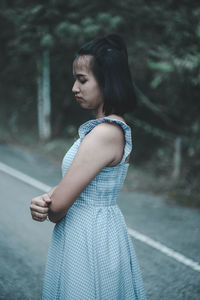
(91, 255)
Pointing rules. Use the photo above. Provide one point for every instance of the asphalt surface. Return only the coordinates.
(24, 243)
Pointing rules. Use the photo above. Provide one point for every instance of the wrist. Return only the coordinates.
(51, 191)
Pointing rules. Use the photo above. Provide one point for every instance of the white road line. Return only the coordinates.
(166, 250)
(135, 234)
(25, 178)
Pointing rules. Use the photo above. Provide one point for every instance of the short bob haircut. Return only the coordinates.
(111, 70)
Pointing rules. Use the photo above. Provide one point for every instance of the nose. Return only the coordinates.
(75, 88)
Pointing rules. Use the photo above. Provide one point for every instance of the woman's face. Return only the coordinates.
(86, 88)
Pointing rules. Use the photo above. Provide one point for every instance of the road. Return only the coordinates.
(24, 243)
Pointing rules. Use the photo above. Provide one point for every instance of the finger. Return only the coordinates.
(39, 215)
(39, 209)
(46, 198)
(39, 201)
(38, 219)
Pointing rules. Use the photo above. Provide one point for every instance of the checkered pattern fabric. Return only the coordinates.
(91, 256)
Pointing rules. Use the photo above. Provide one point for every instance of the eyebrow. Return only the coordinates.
(79, 75)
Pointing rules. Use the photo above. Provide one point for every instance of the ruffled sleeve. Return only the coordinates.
(85, 128)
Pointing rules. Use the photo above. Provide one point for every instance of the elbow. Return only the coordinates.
(53, 218)
(56, 216)
(57, 208)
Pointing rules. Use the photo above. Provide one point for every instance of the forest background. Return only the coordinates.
(38, 41)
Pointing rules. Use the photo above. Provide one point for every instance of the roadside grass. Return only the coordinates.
(53, 149)
(144, 180)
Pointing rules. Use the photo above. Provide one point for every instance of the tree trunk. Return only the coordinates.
(177, 159)
(39, 100)
(44, 100)
(46, 95)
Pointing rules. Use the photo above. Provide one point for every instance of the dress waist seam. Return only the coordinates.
(78, 203)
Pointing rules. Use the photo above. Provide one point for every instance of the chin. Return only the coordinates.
(85, 106)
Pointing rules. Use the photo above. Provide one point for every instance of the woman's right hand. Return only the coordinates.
(39, 207)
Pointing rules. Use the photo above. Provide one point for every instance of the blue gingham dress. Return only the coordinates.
(91, 256)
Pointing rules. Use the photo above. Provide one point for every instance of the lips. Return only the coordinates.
(79, 99)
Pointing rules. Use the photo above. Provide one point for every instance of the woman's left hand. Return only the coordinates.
(39, 207)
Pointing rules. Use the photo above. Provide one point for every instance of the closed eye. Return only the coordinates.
(82, 81)
(81, 78)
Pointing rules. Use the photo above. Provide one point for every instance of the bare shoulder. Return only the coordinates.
(107, 132)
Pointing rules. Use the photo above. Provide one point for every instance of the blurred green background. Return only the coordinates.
(38, 41)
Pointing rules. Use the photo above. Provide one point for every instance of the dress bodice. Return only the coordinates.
(105, 187)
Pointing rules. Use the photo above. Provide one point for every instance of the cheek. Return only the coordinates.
(98, 92)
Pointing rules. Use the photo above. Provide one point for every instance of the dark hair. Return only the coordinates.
(111, 70)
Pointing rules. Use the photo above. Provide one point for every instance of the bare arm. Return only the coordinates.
(103, 145)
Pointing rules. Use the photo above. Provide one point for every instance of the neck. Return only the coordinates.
(99, 112)
(100, 115)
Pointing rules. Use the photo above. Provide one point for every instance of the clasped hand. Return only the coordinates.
(39, 207)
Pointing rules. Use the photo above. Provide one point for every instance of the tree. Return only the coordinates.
(40, 29)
